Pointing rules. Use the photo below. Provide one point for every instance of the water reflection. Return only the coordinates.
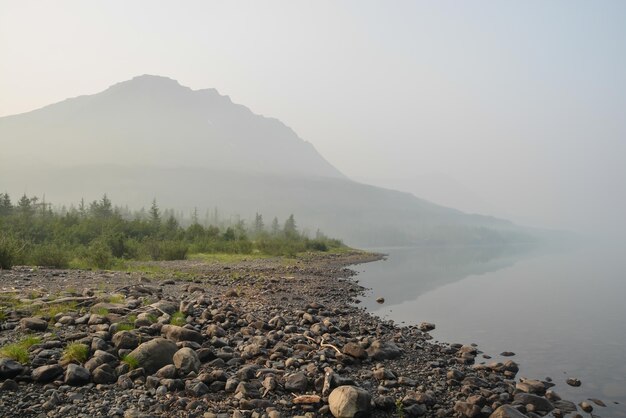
(415, 271)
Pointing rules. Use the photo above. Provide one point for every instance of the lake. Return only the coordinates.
(563, 312)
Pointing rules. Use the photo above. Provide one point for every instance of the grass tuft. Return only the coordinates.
(178, 318)
(131, 361)
(75, 352)
(19, 351)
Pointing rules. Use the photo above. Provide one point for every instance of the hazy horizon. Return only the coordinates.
(513, 110)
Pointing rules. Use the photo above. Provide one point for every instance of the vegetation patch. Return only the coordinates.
(19, 351)
(100, 236)
(75, 353)
(178, 318)
(132, 362)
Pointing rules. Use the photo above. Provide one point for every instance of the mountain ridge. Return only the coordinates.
(152, 137)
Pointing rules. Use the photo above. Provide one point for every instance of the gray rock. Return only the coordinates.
(572, 381)
(248, 390)
(9, 368)
(198, 389)
(531, 386)
(354, 350)
(177, 334)
(539, 403)
(347, 401)
(415, 410)
(104, 374)
(97, 320)
(34, 324)
(426, 326)
(507, 411)
(296, 382)
(154, 354)
(9, 385)
(379, 350)
(167, 372)
(166, 306)
(45, 374)
(586, 406)
(76, 375)
(186, 360)
(125, 340)
(467, 409)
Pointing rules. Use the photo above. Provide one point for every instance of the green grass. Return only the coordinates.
(124, 326)
(75, 352)
(56, 308)
(178, 318)
(15, 352)
(131, 361)
(29, 341)
(227, 257)
(117, 298)
(100, 311)
(19, 351)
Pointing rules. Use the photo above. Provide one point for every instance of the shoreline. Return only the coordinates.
(266, 332)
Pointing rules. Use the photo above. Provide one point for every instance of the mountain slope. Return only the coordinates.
(150, 137)
(154, 120)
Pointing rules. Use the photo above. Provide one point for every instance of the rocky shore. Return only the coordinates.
(256, 338)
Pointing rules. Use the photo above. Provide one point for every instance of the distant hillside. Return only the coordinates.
(150, 137)
(152, 120)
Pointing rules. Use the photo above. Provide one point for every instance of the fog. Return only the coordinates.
(511, 109)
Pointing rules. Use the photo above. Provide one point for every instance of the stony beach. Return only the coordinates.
(252, 338)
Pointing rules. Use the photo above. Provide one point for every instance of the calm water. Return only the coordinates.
(562, 312)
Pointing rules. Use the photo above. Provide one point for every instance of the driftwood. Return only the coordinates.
(81, 300)
(322, 343)
(306, 399)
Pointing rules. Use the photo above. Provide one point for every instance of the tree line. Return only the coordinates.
(99, 235)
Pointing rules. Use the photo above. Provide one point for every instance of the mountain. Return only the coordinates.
(151, 137)
(152, 120)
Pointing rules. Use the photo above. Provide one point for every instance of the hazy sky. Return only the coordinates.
(510, 108)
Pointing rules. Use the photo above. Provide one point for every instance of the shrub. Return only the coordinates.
(50, 255)
(99, 255)
(10, 250)
(75, 352)
(166, 250)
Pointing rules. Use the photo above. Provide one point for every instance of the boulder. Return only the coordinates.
(466, 409)
(9, 368)
(354, 350)
(33, 324)
(125, 340)
(186, 360)
(426, 326)
(154, 354)
(176, 334)
(76, 375)
(347, 401)
(507, 411)
(104, 374)
(296, 382)
(166, 306)
(48, 373)
(539, 403)
(379, 350)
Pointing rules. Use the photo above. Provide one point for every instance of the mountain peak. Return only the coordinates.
(149, 82)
